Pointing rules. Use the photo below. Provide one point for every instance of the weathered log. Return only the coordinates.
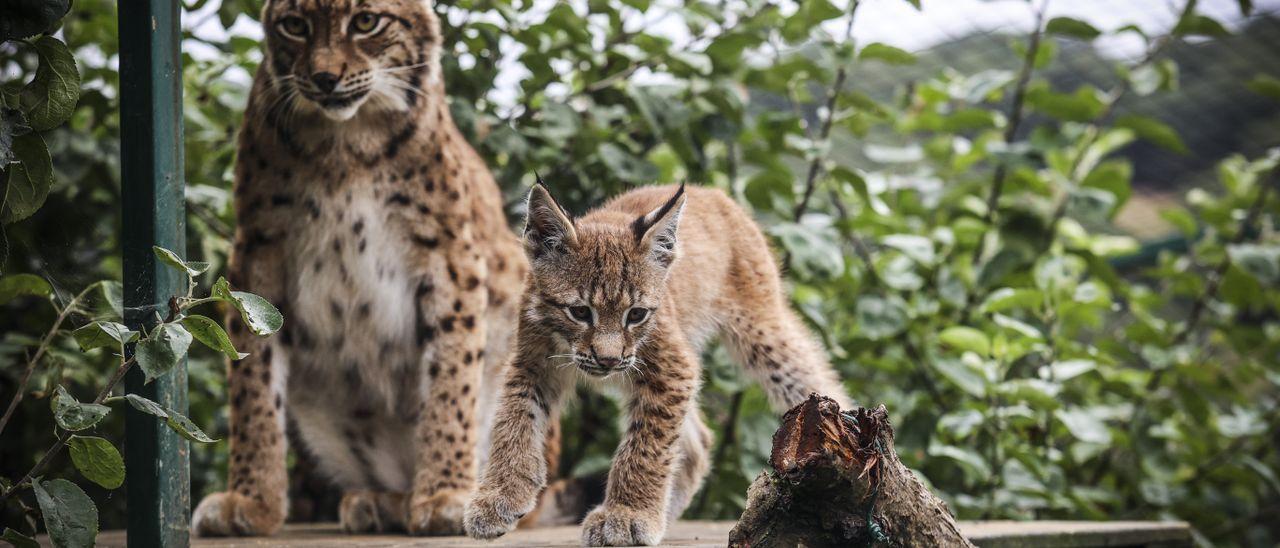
(836, 481)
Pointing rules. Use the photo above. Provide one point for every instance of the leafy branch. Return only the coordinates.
(157, 353)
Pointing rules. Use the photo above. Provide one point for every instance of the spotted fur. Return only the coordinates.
(695, 265)
(369, 221)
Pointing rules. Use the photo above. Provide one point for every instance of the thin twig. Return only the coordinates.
(815, 165)
(43, 347)
(66, 434)
(1017, 110)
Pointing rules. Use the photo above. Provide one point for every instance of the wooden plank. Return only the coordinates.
(705, 534)
(154, 213)
(1076, 534)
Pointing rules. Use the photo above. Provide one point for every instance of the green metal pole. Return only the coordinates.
(156, 459)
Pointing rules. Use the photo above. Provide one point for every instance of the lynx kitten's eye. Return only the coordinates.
(580, 313)
(637, 315)
(364, 22)
(294, 26)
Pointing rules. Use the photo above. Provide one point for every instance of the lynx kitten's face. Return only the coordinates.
(336, 57)
(599, 281)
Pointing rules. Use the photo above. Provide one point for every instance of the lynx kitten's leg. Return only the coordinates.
(693, 465)
(635, 504)
(779, 352)
(255, 502)
(517, 468)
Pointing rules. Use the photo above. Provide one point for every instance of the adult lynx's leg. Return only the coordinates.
(255, 502)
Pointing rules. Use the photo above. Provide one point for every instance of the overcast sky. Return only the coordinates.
(893, 22)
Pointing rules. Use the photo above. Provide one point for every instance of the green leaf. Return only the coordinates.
(966, 339)
(98, 460)
(74, 416)
(192, 269)
(212, 335)
(1084, 425)
(50, 98)
(625, 166)
(1092, 205)
(960, 374)
(1007, 298)
(69, 514)
(162, 350)
(880, 317)
(807, 17)
(1068, 369)
(1200, 25)
(919, 248)
(1265, 85)
(184, 427)
(259, 314)
(1155, 131)
(1246, 7)
(24, 18)
(18, 285)
(886, 53)
(13, 123)
(28, 181)
(1182, 219)
(1260, 261)
(1071, 27)
(1081, 106)
(1115, 177)
(147, 406)
(1017, 326)
(18, 540)
(974, 465)
(104, 335)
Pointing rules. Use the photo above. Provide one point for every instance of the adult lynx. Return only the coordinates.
(628, 294)
(365, 216)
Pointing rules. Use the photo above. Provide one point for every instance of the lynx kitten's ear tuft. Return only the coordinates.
(656, 231)
(548, 228)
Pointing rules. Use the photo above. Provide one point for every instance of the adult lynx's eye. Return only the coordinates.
(294, 26)
(364, 22)
(637, 315)
(580, 313)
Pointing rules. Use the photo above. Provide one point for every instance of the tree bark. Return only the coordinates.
(836, 481)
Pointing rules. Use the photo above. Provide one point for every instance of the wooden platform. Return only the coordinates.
(987, 534)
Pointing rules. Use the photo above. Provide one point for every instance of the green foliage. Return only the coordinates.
(98, 460)
(69, 515)
(44, 103)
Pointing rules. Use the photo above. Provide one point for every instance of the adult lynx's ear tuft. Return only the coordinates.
(548, 229)
(656, 231)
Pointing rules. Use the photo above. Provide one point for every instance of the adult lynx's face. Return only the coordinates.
(334, 56)
(599, 282)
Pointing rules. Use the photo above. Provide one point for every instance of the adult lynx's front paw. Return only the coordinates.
(437, 515)
(491, 515)
(232, 514)
(622, 526)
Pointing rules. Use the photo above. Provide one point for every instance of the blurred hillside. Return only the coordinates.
(1212, 110)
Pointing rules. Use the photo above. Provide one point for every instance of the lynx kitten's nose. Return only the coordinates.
(326, 81)
(608, 362)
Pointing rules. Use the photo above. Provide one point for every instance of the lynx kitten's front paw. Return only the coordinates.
(491, 515)
(232, 514)
(437, 515)
(622, 526)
